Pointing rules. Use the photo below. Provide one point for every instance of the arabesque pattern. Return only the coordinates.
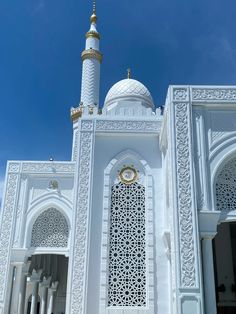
(127, 269)
(225, 187)
(50, 230)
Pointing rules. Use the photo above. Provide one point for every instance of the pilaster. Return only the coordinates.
(78, 259)
(186, 239)
(7, 228)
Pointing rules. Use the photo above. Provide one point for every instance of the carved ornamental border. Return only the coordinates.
(131, 126)
(78, 282)
(207, 94)
(9, 209)
(184, 195)
(181, 105)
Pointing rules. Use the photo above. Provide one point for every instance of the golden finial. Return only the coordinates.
(93, 18)
(128, 73)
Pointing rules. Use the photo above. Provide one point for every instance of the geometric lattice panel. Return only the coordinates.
(50, 230)
(226, 187)
(127, 269)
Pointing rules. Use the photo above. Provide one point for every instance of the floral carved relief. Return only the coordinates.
(6, 229)
(79, 267)
(128, 126)
(188, 275)
(180, 94)
(48, 167)
(214, 94)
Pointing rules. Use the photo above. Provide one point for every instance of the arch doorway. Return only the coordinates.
(224, 247)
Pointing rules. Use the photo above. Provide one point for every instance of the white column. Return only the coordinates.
(209, 277)
(44, 290)
(35, 278)
(51, 295)
(16, 288)
(21, 301)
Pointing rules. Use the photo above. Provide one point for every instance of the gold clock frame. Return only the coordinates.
(123, 180)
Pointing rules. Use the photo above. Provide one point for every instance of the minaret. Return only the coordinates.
(91, 58)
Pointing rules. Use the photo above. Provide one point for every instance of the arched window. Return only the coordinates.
(225, 187)
(50, 230)
(127, 267)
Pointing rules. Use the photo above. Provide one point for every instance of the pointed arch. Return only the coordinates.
(50, 229)
(112, 184)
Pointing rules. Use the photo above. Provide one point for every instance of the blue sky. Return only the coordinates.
(163, 41)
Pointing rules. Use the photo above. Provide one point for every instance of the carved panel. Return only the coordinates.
(214, 94)
(50, 230)
(48, 167)
(6, 229)
(225, 187)
(14, 167)
(75, 148)
(186, 236)
(127, 258)
(128, 126)
(79, 266)
(86, 125)
(180, 94)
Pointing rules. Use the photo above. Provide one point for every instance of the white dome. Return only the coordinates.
(129, 89)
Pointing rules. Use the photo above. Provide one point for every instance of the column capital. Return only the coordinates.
(45, 283)
(25, 269)
(36, 275)
(53, 287)
(208, 235)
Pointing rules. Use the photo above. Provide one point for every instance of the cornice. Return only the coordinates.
(92, 34)
(37, 167)
(204, 95)
(128, 126)
(91, 54)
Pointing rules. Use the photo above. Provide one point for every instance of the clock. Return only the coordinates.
(128, 175)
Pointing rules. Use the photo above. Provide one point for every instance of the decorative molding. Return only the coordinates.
(180, 94)
(214, 94)
(92, 34)
(128, 126)
(75, 147)
(48, 167)
(91, 54)
(184, 194)
(6, 229)
(81, 223)
(216, 135)
(14, 167)
(86, 125)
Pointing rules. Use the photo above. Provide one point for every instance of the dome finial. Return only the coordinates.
(94, 6)
(93, 18)
(128, 73)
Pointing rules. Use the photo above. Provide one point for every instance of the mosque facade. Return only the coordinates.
(141, 220)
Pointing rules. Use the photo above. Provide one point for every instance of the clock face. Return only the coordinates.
(128, 175)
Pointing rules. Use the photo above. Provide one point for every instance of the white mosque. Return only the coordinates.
(141, 220)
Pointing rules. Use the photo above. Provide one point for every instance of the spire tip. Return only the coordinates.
(93, 18)
(128, 73)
